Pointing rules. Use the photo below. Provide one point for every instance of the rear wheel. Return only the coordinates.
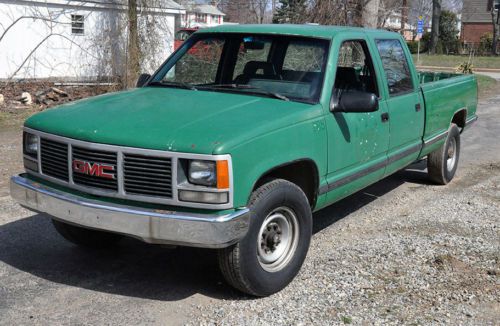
(443, 162)
(272, 252)
(86, 237)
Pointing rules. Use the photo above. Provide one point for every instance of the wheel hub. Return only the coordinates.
(278, 239)
(451, 155)
(271, 237)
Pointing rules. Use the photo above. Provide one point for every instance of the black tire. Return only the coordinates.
(443, 162)
(243, 265)
(86, 237)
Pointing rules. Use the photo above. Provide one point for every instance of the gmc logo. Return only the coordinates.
(95, 169)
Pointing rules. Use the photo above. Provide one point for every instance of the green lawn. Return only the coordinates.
(455, 60)
(486, 85)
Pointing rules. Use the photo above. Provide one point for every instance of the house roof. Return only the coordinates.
(206, 9)
(476, 11)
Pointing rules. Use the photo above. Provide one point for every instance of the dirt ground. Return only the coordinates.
(402, 251)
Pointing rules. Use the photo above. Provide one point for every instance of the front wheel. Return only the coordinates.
(272, 252)
(443, 162)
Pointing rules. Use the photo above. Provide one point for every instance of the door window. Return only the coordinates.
(355, 69)
(396, 67)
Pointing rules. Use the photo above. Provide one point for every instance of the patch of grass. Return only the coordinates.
(15, 117)
(486, 85)
(346, 320)
(455, 60)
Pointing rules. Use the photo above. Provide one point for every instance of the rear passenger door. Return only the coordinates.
(405, 108)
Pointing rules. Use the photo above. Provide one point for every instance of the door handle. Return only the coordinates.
(385, 117)
(417, 107)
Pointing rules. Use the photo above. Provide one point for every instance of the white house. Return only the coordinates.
(80, 39)
(201, 15)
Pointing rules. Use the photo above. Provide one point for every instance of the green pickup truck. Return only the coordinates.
(237, 138)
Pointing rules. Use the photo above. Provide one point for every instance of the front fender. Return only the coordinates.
(251, 160)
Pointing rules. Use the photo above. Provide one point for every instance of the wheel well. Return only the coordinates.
(459, 118)
(303, 173)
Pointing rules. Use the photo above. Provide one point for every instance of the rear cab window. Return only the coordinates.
(396, 68)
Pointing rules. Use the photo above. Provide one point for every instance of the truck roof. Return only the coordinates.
(323, 31)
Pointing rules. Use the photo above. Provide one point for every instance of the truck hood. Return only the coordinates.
(172, 119)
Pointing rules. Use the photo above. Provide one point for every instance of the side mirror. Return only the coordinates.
(143, 78)
(354, 101)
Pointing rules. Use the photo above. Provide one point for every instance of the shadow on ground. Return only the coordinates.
(140, 270)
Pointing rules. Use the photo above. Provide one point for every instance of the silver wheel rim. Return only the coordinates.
(451, 155)
(277, 239)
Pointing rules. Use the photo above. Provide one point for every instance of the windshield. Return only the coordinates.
(284, 67)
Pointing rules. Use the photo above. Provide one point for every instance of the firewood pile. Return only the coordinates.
(49, 96)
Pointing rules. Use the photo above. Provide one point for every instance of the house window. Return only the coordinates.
(77, 24)
(493, 4)
(201, 18)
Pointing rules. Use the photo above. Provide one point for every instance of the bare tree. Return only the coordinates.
(404, 15)
(133, 62)
(436, 13)
(259, 9)
(495, 19)
(370, 13)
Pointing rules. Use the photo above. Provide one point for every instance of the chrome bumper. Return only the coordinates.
(149, 225)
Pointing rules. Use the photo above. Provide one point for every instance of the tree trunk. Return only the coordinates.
(370, 13)
(133, 65)
(404, 16)
(436, 13)
(495, 18)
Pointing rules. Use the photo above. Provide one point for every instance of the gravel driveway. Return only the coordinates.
(400, 252)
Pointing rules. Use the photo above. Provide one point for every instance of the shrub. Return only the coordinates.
(413, 46)
(424, 42)
(448, 33)
(465, 68)
(485, 43)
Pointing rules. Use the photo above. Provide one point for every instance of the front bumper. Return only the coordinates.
(149, 225)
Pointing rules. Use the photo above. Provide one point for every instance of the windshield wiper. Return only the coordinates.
(254, 89)
(235, 86)
(173, 84)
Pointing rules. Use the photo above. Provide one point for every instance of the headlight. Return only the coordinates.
(30, 145)
(202, 173)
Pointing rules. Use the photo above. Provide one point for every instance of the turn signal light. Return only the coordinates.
(222, 175)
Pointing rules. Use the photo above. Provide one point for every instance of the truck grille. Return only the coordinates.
(95, 157)
(141, 175)
(54, 158)
(146, 175)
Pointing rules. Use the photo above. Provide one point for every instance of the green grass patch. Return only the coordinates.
(15, 117)
(486, 85)
(346, 320)
(455, 60)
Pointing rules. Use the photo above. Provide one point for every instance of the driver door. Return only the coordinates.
(357, 142)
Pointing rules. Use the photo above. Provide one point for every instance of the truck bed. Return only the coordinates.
(445, 94)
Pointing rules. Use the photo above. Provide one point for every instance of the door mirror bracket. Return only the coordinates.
(143, 78)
